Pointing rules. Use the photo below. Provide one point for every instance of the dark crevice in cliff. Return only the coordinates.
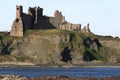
(97, 43)
(72, 36)
(92, 48)
(5, 50)
(2, 42)
(88, 56)
(91, 43)
(87, 42)
(66, 57)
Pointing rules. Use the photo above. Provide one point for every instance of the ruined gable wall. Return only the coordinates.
(55, 21)
(46, 24)
(27, 22)
(86, 28)
(37, 17)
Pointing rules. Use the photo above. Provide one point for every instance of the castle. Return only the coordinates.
(35, 20)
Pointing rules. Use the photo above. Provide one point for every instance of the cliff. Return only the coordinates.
(114, 45)
(58, 47)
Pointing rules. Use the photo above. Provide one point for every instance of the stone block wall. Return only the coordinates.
(70, 26)
(35, 20)
(17, 28)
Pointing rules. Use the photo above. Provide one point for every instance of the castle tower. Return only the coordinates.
(19, 11)
(17, 26)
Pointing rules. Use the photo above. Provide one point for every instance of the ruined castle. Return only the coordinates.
(35, 20)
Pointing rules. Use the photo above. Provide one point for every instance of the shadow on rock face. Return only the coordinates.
(5, 49)
(89, 42)
(88, 56)
(92, 46)
(97, 43)
(66, 55)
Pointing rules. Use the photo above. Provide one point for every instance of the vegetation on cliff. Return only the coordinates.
(55, 47)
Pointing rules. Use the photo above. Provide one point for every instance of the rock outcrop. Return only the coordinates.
(12, 77)
(17, 77)
(43, 48)
(114, 46)
(59, 47)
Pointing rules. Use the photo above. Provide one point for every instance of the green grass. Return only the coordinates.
(96, 54)
(108, 38)
(23, 58)
(4, 36)
(11, 58)
(46, 32)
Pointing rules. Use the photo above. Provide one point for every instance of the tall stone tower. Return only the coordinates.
(19, 10)
(17, 26)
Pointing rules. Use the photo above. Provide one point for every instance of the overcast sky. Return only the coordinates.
(103, 15)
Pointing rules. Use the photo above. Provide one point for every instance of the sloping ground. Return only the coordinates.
(56, 47)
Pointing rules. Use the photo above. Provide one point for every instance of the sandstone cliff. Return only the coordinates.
(58, 47)
(113, 45)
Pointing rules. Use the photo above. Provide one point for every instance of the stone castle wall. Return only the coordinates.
(35, 20)
(70, 26)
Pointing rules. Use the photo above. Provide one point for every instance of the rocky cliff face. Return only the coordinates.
(43, 49)
(59, 47)
(46, 48)
(113, 45)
